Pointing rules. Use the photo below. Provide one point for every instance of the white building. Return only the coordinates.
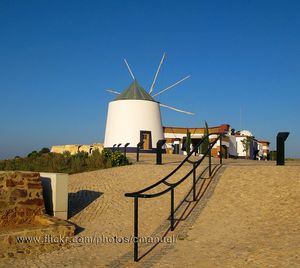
(177, 135)
(233, 143)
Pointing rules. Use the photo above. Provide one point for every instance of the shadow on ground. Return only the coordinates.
(187, 205)
(80, 200)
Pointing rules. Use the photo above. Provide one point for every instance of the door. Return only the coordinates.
(146, 138)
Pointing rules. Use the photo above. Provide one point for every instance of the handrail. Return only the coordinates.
(171, 186)
(139, 193)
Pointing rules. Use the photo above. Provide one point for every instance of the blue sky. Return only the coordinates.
(58, 57)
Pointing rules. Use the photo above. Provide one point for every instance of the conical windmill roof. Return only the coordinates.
(134, 92)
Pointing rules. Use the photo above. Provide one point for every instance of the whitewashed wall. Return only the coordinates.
(240, 147)
(126, 118)
(232, 149)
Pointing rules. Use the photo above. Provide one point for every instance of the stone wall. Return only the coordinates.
(21, 198)
(22, 214)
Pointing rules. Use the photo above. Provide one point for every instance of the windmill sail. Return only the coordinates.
(178, 82)
(156, 74)
(175, 109)
(128, 67)
(112, 91)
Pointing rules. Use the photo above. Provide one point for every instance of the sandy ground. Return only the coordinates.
(247, 215)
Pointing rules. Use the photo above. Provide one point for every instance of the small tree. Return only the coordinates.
(33, 154)
(45, 150)
(246, 145)
(205, 143)
(188, 142)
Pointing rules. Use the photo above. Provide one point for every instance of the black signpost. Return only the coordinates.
(281, 138)
(159, 146)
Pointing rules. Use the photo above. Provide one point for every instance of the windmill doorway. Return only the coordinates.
(146, 138)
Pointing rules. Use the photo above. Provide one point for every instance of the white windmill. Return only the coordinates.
(134, 115)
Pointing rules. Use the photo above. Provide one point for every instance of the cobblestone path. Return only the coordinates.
(247, 215)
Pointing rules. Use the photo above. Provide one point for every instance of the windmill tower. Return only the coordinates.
(134, 115)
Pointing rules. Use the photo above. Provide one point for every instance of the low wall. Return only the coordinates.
(76, 148)
(22, 214)
(21, 198)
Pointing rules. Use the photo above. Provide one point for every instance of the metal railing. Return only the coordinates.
(171, 186)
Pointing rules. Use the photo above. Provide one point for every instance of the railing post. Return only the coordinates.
(125, 148)
(194, 182)
(172, 209)
(136, 225)
(118, 147)
(221, 153)
(209, 161)
(137, 154)
(138, 146)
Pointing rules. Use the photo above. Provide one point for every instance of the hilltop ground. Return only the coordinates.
(247, 215)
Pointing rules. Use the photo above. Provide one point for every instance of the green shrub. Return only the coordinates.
(118, 159)
(65, 163)
(33, 154)
(107, 153)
